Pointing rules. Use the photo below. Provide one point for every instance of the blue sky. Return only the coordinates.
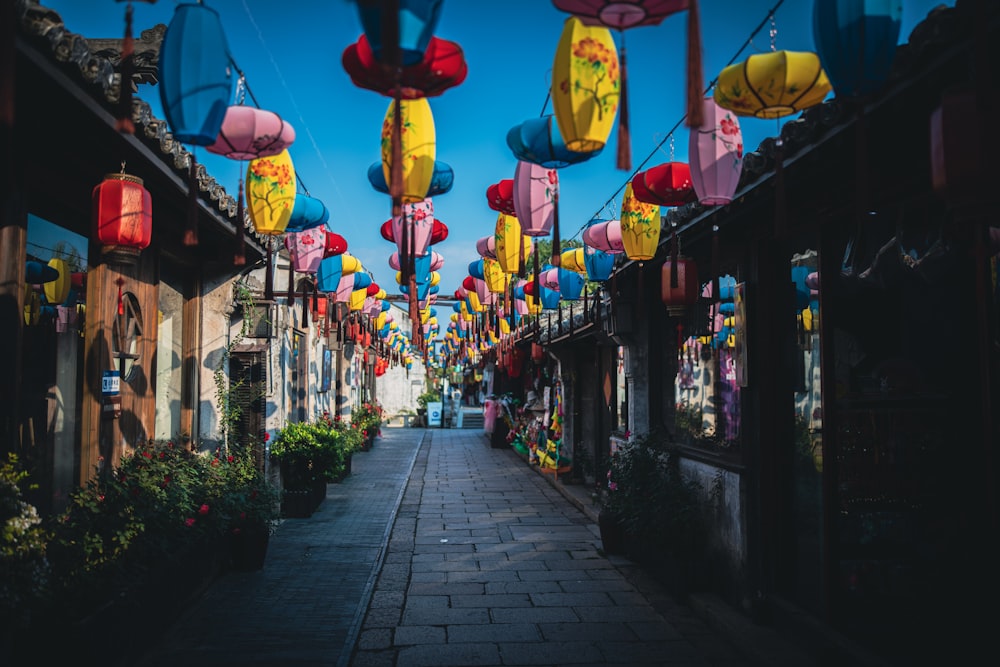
(290, 53)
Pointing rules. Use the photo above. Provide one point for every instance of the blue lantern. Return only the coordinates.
(417, 21)
(307, 213)
(361, 279)
(196, 77)
(538, 141)
(570, 284)
(598, 263)
(548, 297)
(441, 181)
(856, 42)
(476, 269)
(330, 271)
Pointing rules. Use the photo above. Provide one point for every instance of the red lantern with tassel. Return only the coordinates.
(122, 216)
(679, 287)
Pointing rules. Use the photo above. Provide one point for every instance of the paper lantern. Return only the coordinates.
(494, 276)
(442, 179)
(334, 244)
(57, 291)
(417, 146)
(585, 85)
(416, 21)
(195, 74)
(667, 184)
(570, 284)
(856, 42)
(534, 197)
(122, 215)
(487, 246)
(306, 249)
(249, 132)
(500, 196)
(307, 212)
(624, 14)
(511, 245)
(441, 67)
(679, 288)
(271, 193)
(598, 263)
(772, 84)
(605, 235)
(572, 259)
(716, 153)
(640, 224)
(419, 218)
(538, 141)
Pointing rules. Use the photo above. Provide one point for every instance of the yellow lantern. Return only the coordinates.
(270, 188)
(572, 260)
(534, 304)
(640, 226)
(493, 274)
(474, 302)
(507, 234)
(358, 298)
(417, 144)
(773, 84)
(57, 291)
(380, 321)
(585, 85)
(435, 278)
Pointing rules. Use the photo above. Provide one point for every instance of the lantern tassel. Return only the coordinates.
(291, 281)
(240, 254)
(121, 301)
(305, 306)
(555, 260)
(715, 264)
(269, 275)
(126, 66)
(396, 153)
(191, 230)
(624, 137)
(695, 76)
(674, 254)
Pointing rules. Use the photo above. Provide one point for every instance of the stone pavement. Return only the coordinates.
(304, 606)
(439, 550)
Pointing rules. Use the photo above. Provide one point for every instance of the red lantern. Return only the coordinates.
(667, 184)
(442, 67)
(537, 352)
(679, 288)
(500, 196)
(335, 244)
(122, 216)
(320, 311)
(439, 232)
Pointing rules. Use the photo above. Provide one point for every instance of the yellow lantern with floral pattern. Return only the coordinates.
(773, 84)
(640, 223)
(586, 84)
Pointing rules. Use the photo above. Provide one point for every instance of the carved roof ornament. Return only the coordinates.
(146, 56)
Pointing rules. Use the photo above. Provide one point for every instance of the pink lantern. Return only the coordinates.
(344, 289)
(716, 154)
(487, 247)
(437, 260)
(535, 191)
(486, 297)
(420, 217)
(550, 279)
(306, 249)
(606, 236)
(248, 133)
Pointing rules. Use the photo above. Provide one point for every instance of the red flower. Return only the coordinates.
(230, 458)
(203, 510)
(267, 436)
(189, 522)
(148, 455)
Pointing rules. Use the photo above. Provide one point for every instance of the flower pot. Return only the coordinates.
(296, 503)
(317, 494)
(612, 533)
(248, 548)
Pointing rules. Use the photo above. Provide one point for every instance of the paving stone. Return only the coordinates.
(494, 632)
(418, 634)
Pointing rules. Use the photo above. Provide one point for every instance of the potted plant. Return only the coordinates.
(657, 509)
(301, 455)
(252, 505)
(367, 418)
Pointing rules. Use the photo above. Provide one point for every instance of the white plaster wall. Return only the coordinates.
(216, 333)
(397, 389)
(726, 527)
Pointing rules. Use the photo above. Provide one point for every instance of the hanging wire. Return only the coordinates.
(760, 26)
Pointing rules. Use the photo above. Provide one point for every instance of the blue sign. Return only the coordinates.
(110, 383)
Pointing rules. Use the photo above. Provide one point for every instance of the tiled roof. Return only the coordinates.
(97, 76)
